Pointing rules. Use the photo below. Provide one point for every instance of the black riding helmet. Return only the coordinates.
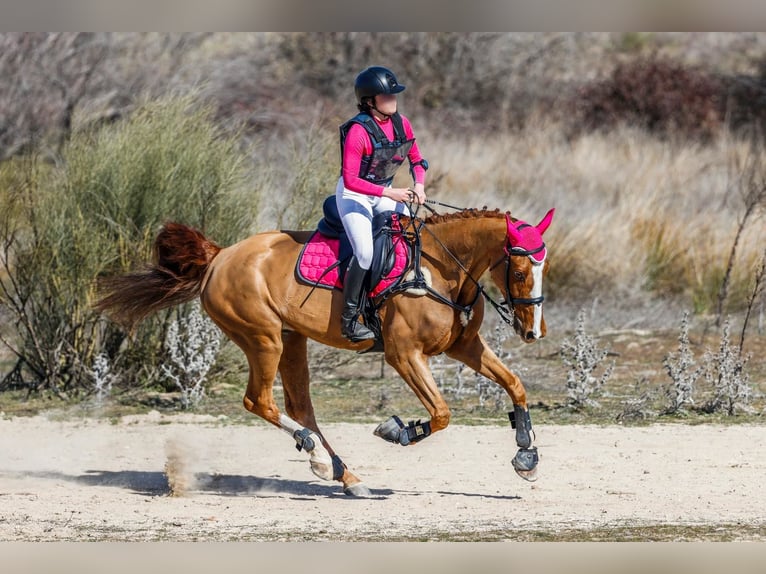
(376, 80)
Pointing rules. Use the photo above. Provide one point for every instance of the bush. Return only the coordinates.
(192, 344)
(583, 357)
(659, 95)
(726, 372)
(96, 213)
(746, 101)
(683, 372)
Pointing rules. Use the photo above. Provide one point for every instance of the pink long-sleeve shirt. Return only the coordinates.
(358, 144)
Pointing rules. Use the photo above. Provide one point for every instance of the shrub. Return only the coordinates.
(725, 371)
(660, 95)
(96, 213)
(746, 101)
(192, 344)
(683, 372)
(102, 376)
(583, 357)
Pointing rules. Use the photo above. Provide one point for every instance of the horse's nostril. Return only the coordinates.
(530, 335)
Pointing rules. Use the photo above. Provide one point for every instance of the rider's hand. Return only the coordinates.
(401, 194)
(420, 193)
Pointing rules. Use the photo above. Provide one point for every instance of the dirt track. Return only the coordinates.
(92, 480)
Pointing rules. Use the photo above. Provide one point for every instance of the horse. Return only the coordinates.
(251, 292)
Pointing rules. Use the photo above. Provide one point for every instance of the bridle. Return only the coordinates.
(506, 308)
(519, 252)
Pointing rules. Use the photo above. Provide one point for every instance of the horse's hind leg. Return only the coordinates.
(264, 358)
(293, 367)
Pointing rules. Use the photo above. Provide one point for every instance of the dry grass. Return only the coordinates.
(633, 213)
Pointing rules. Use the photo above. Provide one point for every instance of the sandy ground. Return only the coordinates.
(95, 480)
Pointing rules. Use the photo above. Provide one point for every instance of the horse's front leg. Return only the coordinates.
(475, 353)
(412, 366)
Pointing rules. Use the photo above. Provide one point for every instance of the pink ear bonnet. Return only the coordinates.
(526, 239)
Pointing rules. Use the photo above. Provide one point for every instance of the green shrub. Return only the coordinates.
(95, 213)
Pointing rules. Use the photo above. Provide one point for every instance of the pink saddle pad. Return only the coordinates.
(321, 253)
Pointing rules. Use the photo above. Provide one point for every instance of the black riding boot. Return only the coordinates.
(353, 286)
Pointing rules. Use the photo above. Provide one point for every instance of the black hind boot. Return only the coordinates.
(353, 286)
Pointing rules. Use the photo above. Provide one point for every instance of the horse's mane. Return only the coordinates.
(470, 213)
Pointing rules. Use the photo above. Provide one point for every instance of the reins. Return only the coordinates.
(434, 202)
(505, 314)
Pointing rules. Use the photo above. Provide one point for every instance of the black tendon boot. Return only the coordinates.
(353, 286)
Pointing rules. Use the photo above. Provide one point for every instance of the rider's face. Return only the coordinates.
(386, 103)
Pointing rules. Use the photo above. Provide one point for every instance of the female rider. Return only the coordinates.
(373, 144)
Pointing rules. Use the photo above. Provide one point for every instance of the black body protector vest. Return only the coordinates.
(380, 166)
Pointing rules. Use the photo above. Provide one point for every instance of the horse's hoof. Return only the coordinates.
(528, 475)
(525, 463)
(393, 430)
(390, 429)
(359, 490)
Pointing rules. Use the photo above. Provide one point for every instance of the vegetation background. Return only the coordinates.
(650, 146)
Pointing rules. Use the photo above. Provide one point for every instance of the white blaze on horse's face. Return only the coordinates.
(526, 241)
(537, 293)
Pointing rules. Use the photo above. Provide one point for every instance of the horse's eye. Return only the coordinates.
(518, 276)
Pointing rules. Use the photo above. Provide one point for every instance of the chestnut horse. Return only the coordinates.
(250, 291)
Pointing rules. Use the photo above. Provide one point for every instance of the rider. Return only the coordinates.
(373, 145)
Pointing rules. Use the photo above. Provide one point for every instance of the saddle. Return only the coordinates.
(325, 256)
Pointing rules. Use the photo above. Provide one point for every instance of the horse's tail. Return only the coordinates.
(182, 256)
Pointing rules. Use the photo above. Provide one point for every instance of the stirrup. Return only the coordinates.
(355, 332)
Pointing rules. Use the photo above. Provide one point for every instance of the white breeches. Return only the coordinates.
(356, 211)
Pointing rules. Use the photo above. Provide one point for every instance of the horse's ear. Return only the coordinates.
(514, 234)
(545, 222)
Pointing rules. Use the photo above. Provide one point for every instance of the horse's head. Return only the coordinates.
(521, 278)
